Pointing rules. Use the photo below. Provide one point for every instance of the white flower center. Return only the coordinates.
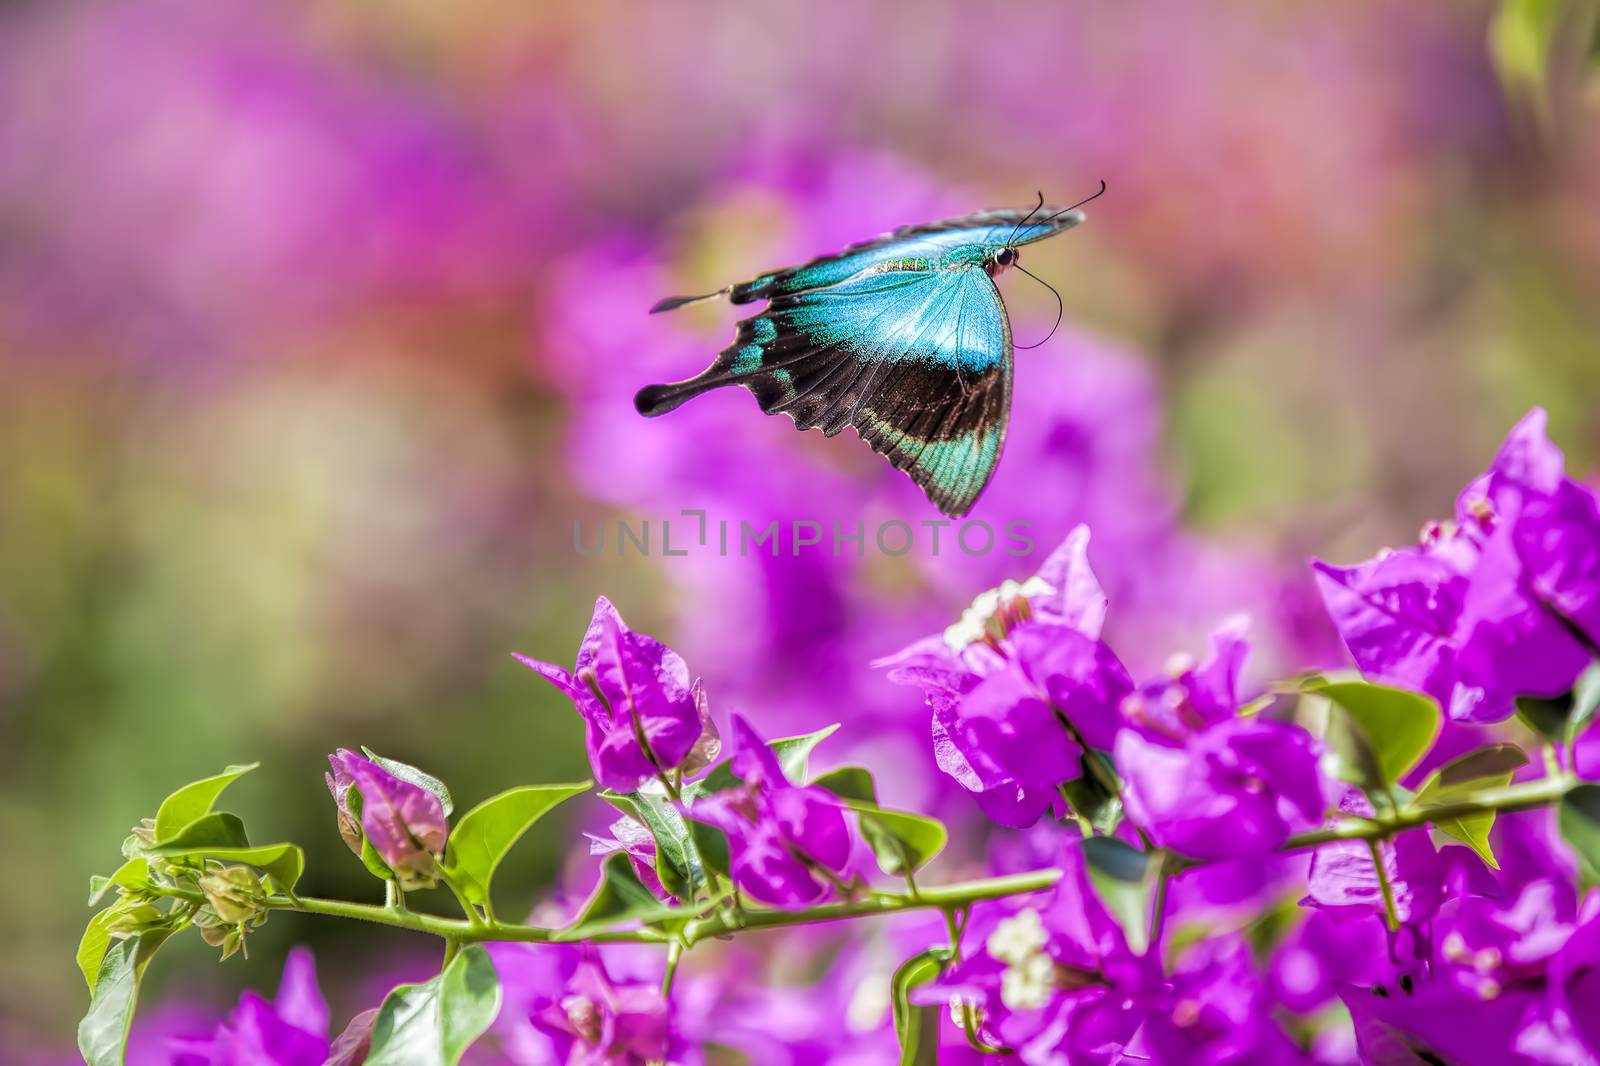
(1028, 986)
(1018, 938)
(1030, 974)
(995, 605)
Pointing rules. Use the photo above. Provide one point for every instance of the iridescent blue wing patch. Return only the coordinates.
(904, 338)
(918, 361)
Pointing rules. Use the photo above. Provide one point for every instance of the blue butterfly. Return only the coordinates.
(903, 337)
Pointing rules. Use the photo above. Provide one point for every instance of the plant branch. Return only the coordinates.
(947, 898)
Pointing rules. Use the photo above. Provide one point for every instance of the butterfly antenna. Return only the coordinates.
(1060, 307)
(1098, 193)
(1034, 211)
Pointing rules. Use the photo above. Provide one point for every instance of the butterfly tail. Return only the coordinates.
(653, 400)
(672, 303)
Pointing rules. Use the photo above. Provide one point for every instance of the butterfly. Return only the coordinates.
(903, 337)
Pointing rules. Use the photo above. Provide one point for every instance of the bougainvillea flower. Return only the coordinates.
(1204, 782)
(787, 843)
(1343, 879)
(1508, 979)
(631, 837)
(1433, 1021)
(1322, 951)
(1574, 978)
(1194, 695)
(404, 822)
(1020, 685)
(1056, 979)
(596, 1021)
(1026, 724)
(637, 702)
(1064, 590)
(292, 1030)
(1221, 1010)
(1502, 602)
(1238, 788)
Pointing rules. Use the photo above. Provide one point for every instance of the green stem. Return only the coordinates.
(452, 947)
(1521, 797)
(674, 953)
(675, 794)
(955, 927)
(948, 898)
(1391, 916)
(467, 908)
(1158, 907)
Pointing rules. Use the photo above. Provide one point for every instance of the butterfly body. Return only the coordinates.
(904, 337)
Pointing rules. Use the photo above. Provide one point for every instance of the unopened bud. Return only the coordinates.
(134, 920)
(235, 893)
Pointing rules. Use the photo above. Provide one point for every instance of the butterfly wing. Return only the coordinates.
(980, 232)
(918, 360)
(986, 230)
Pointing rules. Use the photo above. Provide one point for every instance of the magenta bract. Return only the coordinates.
(787, 843)
(636, 699)
(404, 822)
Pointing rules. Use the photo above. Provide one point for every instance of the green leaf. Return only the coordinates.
(409, 773)
(1489, 767)
(92, 947)
(903, 842)
(1475, 770)
(1579, 819)
(794, 754)
(1397, 726)
(1563, 717)
(1120, 875)
(1546, 717)
(483, 836)
(194, 800)
(677, 865)
(217, 829)
(433, 1024)
(1090, 799)
(1586, 690)
(283, 863)
(850, 783)
(620, 897)
(136, 871)
(103, 1032)
(917, 1027)
(712, 844)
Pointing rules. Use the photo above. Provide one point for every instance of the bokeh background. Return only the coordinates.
(319, 323)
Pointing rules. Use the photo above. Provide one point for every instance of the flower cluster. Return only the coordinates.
(646, 725)
(1027, 699)
(1323, 870)
(1501, 601)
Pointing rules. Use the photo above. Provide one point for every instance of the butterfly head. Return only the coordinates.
(1000, 259)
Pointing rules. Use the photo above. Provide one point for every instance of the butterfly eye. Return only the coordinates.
(1005, 257)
